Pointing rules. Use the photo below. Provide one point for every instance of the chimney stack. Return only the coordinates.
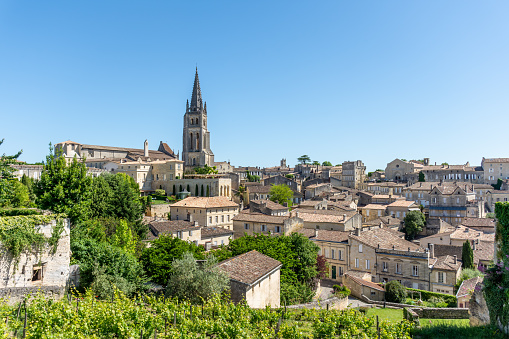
(145, 148)
(455, 259)
(190, 217)
(431, 250)
(358, 231)
(316, 233)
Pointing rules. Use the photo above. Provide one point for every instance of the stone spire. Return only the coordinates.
(196, 102)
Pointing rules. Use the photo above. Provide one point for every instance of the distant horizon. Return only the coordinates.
(338, 81)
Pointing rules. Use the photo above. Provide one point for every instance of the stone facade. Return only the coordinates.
(43, 271)
(494, 169)
(353, 174)
(216, 186)
(213, 211)
(252, 223)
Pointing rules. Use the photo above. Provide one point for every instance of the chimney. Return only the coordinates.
(473, 245)
(455, 259)
(358, 231)
(196, 224)
(431, 250)
(344, 217)
(316, 233)
(190, 217)
(145, 148)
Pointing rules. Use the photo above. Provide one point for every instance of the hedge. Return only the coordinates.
(427, 295)
(12, 212)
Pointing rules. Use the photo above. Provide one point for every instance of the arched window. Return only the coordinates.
(194, 161)
(191, 140)
(197, 141)
(197, 121)
(192, 120)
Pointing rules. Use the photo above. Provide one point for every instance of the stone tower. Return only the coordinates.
(196, 138)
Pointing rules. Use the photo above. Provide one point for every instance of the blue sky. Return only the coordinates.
(337, 80)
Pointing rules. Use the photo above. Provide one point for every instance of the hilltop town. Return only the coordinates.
(416, 222)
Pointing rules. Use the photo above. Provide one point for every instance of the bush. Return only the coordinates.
(341, 291)
(395, 292)
(160, 192)
(428, 296)
(11, 212)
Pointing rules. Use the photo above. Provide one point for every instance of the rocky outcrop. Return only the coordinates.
(479, 314)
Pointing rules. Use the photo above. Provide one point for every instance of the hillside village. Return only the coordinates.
(409, 222)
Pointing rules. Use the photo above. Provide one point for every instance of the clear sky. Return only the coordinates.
(337, 80)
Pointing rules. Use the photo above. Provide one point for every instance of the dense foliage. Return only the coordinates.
(122, 317)
(434, 296)
(304, 159)
(421, 177)
(206, 170)
(467, 273)
(467, 255)
(196, 282)
(414, 222)
(395, 292)
(496, 280)
(281, 194)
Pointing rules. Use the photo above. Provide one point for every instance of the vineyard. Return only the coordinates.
(84, 316)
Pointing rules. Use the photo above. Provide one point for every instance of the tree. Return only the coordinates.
(498, 185)
(421, 177)
(124, 238)
(160, 191)
(6, 161)
(289, 176)
(395, 292)
(252, 178)
(326, 163)
(322, 266)
(281, 194)
(208, 191)
(444, 164)
(206, 170)
(467, 255)
(414, 222)
(8, 187)
(194, 282)
(467, 273)
(158, 258)
(64, 187)
(304, 159)
(196, 191)
(316, 163)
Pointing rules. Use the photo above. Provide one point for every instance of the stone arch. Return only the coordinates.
(197, 121)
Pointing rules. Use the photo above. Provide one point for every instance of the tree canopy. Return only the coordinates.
(304, 159)
(414, 222)
(326, 163)
(421, 177)
(281, 194)
(206, 170)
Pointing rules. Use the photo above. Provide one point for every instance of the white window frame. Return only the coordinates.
(415, 270)
(357, 262)
(360, 248)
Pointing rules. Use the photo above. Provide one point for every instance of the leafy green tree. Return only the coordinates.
(467, 255)
(8, 187)
(64, 187)
(467, 273)
(304, 159)
(281, 194)
(251, 177)
(103, 265)
(194, 282)
(289, 176)
(414, 222)
(158, 258)
(498, 185)
(206, 170)
(421, 177)
(395, 292)
(5, 163)
(316, 163)
(124, 238)
(444, 164)
(160, 191)
(326, 163)
(29, 184)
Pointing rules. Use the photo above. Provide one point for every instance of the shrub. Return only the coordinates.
(341, 291)
(394, 292)
(427, 296)
(160, 192)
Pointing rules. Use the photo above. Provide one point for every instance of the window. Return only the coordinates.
(360, 248)
(398, 268)
(340, 270)
(210, 220)
(190, 233)
(357, 263)
(222, 218)
(228, 217)
(264, 228)
(415, 270)
(340, 255)
(441, 277)
(367, 264)
(385, 266)
(332, 254)
(278, 229)
(246, 226)
(37, 273)
(217, 219)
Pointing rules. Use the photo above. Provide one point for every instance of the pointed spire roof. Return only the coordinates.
(196, 101)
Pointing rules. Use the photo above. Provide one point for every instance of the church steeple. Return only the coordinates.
(196, 102)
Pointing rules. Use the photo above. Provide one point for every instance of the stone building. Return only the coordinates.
(152, 175)
(496, 196)
(453, 173)
(44, 271)
(353, 174)
(255, 278)
(207, 211)
(334, 246)
(255, 222)
(449, 202)
(400, 208)
(196, 137)
(268, 207)
(281, 180)
(445, 273)
(313, 191)
(332, 220)
(363, 288)
(494, 169)
(402, 170)
(385, 188)
(198, 185)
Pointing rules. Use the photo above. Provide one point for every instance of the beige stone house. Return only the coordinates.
(496, 196)
(494, 169)
(399, 209)
(315, 190)
(254, 222)
(445, 273)
(333, 220)
(372, 211)
(353, 174)
(385, 188)
(334, 246)
(384, 222)
(200, 185)
(255, 278)
(363, 288)
(207, 211)
(449, 202)
(400, 170)
(268, 207)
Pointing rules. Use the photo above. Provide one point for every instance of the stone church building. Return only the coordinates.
(196, 138)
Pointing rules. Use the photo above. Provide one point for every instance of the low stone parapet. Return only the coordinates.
(334, 303)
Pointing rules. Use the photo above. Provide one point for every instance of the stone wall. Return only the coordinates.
(441, 313)
(334, 304)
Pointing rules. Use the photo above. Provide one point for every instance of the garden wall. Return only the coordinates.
(334, 304)
(436, 313)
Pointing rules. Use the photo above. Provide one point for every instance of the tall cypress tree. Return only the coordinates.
(467, 255)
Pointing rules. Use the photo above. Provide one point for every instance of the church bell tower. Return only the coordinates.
(196, 138)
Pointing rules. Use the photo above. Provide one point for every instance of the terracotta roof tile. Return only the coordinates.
(205, 202)
(467, 286)
(249, 267)
(386, 238)
(365, 282)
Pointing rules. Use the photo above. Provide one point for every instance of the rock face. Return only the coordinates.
(479, 314)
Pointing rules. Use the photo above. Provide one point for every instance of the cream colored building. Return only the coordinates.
(399, 209)
(494, 169)
(258, 223)
(198, 185)
(496, 196)
(332, 220)
(372, 211)
(151, 175)
(255, 278)
(207, 211)
(445, 273)
(334, 246)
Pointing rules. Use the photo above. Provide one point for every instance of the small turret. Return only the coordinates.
(145, 148)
